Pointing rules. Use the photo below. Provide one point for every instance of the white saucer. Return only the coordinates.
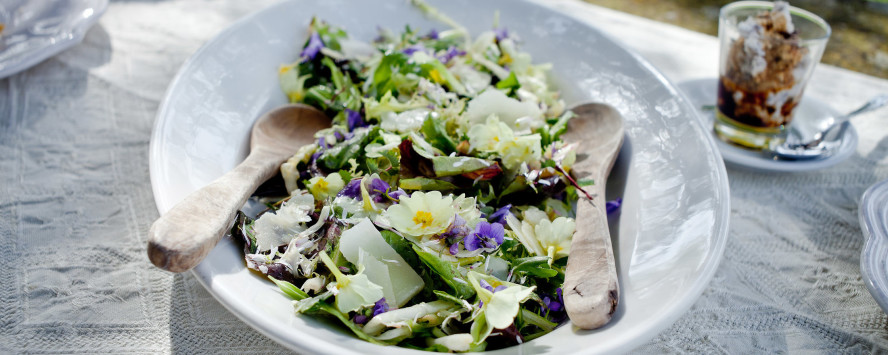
(810, 117)
(38, 29)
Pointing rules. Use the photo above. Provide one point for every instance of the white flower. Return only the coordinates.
(352, 292)
(555, 236)
(541, 236)
(523, 149)
(489, 136)
(322, 187)
(467, 208)
(406, 121)
(277, 228)
(422, 214)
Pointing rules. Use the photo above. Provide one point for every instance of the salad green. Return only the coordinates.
(437, 211)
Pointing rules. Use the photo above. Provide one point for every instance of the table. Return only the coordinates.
(76, 204)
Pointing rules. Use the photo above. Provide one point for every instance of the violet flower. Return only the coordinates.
(354, 120)
(396, 195)
(313, 47)
(554, 306)
(486, 236)
(378, 189)
(352, 189)
(380, 307)
(433, 34)
(361, 319)
(500, 215)
(613, 206)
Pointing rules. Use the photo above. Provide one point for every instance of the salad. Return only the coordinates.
(437, 211)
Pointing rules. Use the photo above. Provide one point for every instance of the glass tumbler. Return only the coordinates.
(767, 54)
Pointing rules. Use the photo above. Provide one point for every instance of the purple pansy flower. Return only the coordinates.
(433, 34)
(354, 120)
(486, 236)
(380, 307)
(554, 306)
(312, 48)
(613, 206)
(397, 194)
(377, 188)
(500, 215)
(352, 189)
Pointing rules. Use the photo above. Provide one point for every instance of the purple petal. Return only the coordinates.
(450, 54)
(354, 120)
(500, 215)
(361, 319)
(499, 288)
(397, 194)
(339, 136)
(413, 49)
(485, 285)
(501, 33)
(380, 307)
(472, 242)
(454, 248)
(433, 34)
(312, 48)
(352, 189)
(613, 206)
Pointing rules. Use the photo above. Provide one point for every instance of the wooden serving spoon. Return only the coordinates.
(183, 236)
(591, 290)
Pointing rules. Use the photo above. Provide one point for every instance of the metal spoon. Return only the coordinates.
(183, 236)
(591, 289)
(827, 141)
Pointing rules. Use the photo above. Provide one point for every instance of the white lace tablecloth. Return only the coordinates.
(76, 204)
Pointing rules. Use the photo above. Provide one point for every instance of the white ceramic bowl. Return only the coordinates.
(668, 238)
(873, 215)
(38, 29)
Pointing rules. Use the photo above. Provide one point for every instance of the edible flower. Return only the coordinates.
(486, 236)
(422, 213)
(322, 187)
(354, 120)
(352, 292)
(499, 216)
(613, 205)
(499, 306)
(541, 236)
(313, 47)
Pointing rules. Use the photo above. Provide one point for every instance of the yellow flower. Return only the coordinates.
(323, 187)
(422, 214)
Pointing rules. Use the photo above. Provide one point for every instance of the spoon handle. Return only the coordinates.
(591, 290)
(838, 128)
(185, 234)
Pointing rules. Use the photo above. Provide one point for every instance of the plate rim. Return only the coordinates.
(255, 321)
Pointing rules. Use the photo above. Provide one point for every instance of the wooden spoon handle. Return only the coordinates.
(591, 290)
(183, 236)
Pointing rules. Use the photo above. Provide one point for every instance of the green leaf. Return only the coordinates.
(585, 182)
(560, 127)
(448, 166)
(337, 157)
(536, 266)
(289, 289)
(423, 183)
(448, 273)
(331, 310)
(435, 133)
(402, 246)
(510, 84)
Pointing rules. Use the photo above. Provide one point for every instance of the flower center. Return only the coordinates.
(322, 184)
(423, 219)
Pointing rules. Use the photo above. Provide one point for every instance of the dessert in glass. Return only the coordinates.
(768, 52)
